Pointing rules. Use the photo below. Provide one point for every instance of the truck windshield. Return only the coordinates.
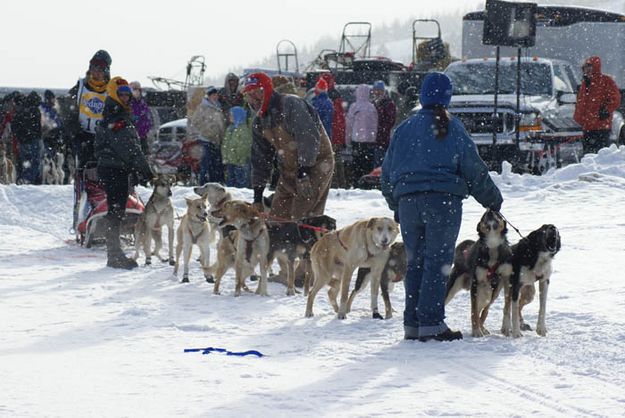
(479, 78)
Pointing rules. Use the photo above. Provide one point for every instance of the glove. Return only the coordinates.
(303, 183)
(304, 188)
(603, 113)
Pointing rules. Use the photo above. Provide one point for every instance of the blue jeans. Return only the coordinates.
(211, 167)
(237, 176)
(30, 161)
(430, 222)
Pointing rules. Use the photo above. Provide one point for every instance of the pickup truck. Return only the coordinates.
(548, 135)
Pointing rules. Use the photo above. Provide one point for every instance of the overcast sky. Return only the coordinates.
(49, 43)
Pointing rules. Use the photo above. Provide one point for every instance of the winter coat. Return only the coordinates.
(338, 114)
(141, 116)
(597, 92)
(228, 97)
(117, 142)
(386, 120)
(26, 124)
(417, 161)
(291, 131)
(338, 117)
(208, 122)
(236, 148)
(325, 108)
(361, 124)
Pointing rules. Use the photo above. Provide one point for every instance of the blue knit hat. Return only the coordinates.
(436, 90)
(379, 85)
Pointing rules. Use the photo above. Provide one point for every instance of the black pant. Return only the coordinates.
(595, 140)
(115, 183)
(83, 148)
(363, 154)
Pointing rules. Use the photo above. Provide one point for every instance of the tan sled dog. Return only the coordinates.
(337, 254)
(193, 230)
(159, 212)
(7, 171)
(217, 195)
(251, 241)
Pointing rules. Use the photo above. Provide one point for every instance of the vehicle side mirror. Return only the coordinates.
(566, 98)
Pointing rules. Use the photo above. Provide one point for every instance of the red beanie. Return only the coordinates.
(321, 86)
(260, 81)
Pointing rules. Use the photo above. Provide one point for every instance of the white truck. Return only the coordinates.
(550, 77)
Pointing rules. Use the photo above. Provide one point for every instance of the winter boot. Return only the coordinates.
(447, 335)
(115, 256)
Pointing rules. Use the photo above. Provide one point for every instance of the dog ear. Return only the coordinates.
(371, 222)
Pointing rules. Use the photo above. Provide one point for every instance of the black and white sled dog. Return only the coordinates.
(394, 271)
(483, 267)
(532, 259)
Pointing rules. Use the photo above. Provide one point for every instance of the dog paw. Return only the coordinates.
(254, 278)
(389, 315)
(541, 330)
(485, 332)
(237, 293)
(309, 315)
(525, 327)
(477, 333)
(185, 280)
(172, 262)
(290, 292)
(516, 334)
(210, 279)
(148, 262)
(341, 315)
(376, 315)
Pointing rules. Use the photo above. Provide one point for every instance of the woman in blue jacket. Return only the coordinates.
(430, 167)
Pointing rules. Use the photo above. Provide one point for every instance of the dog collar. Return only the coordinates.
(338, 237)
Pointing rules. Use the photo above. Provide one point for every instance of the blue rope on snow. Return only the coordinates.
(209, 350)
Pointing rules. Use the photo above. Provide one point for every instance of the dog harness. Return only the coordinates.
(248, 246)
(491, 275)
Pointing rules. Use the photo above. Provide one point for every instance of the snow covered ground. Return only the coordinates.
(80, 339)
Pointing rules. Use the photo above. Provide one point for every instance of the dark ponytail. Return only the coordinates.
(441, 121)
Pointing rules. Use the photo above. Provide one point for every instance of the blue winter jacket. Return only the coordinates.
(417, 161)
(325, 108)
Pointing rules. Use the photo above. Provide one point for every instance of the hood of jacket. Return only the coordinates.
(227, 90)
(362, 93)
(595, 62)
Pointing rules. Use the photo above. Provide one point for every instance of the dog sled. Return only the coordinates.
(90, 207)
(174, 153)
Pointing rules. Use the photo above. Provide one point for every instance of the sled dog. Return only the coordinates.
(7, 170)
(532, 259)
(394, 271)
(193, 230)
(159, 212)
(337, 254)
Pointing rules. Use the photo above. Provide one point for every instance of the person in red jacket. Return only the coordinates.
(597, 99)
(337, 136)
